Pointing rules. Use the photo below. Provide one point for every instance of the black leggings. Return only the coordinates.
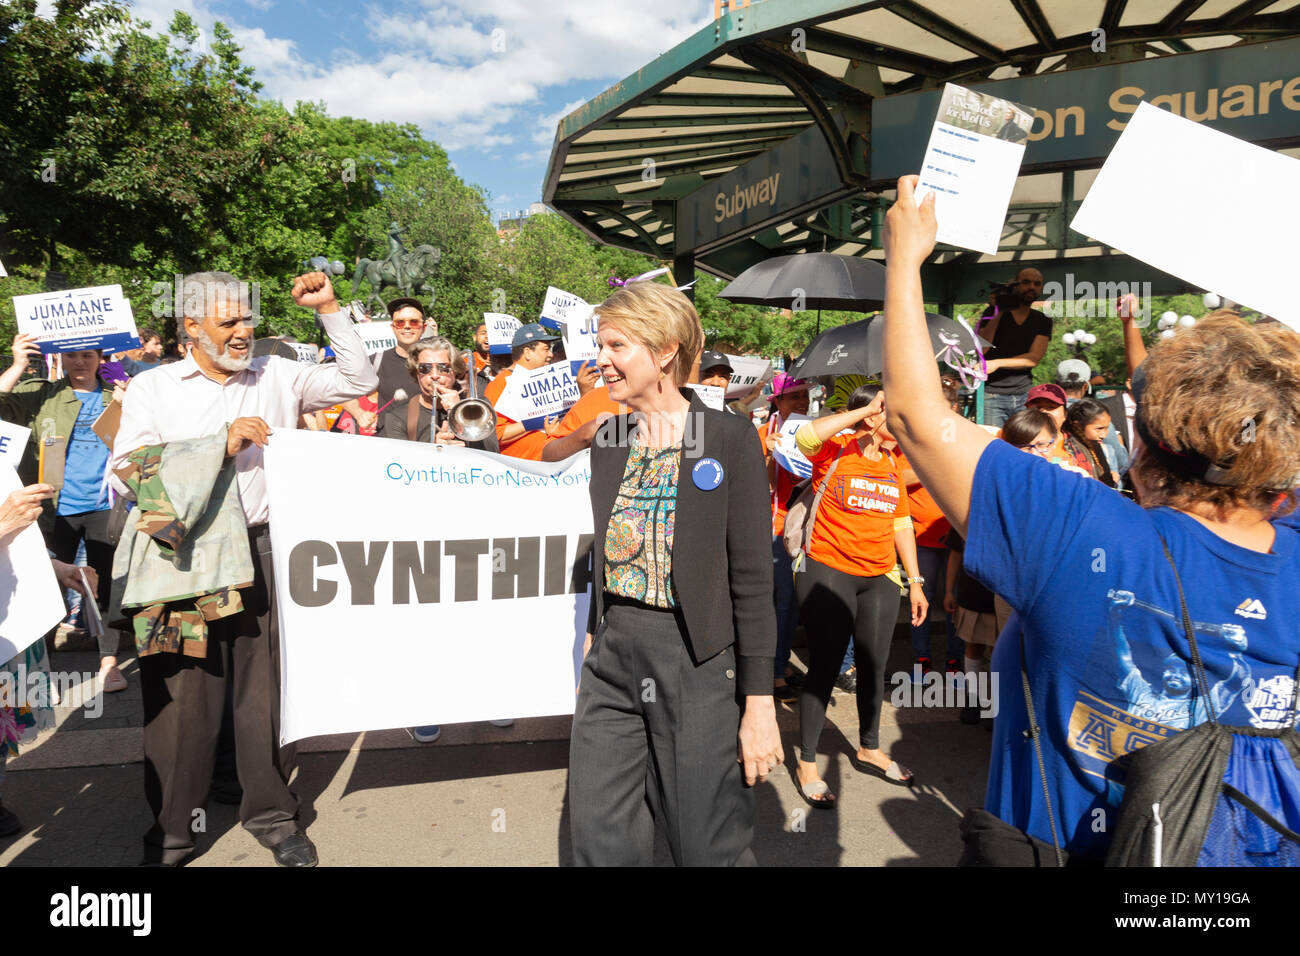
(92, 526)
(833, 606)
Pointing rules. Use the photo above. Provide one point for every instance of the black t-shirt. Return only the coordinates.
(971, 595)
(393, 375)
(1010, 340)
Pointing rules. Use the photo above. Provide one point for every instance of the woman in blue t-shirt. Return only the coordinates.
(1098, 605)
(67, 409)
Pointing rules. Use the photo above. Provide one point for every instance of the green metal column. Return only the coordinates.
(684, 270)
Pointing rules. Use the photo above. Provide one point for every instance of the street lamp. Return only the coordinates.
(1170, 322)
(1078, 341)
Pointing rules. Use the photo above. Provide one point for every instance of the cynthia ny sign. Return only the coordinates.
(511, 547)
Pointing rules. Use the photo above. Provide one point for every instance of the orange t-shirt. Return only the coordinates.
(785, 483)
(528, 445)
(854, 529)
(586, 409)
(928, 523)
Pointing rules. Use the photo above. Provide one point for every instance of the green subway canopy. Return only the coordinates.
(782, 126)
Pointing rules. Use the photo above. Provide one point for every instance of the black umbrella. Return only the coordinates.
(858, 348)
(811, 280)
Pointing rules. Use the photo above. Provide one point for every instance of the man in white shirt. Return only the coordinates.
(220, 386)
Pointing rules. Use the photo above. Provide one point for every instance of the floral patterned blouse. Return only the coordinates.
(639, 542)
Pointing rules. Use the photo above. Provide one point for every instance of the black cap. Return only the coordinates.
(711, 359)
(396, 304)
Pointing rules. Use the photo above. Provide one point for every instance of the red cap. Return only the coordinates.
(1053, 393)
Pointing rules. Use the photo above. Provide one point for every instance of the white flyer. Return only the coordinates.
(76, 320)
(533, 395)
(710, 395)
(971, 164)
(560, 307)
(501, 329)
(787, 453)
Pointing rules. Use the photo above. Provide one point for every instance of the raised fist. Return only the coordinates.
(313, 291)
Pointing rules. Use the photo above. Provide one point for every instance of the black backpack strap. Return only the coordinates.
(1203, 685)
(1034, 733)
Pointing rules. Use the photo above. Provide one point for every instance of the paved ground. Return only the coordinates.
(481, 795)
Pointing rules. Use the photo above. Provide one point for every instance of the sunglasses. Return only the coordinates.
(408, 323)
(424, 368)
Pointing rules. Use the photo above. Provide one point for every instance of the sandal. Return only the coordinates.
(898, 775)
(818, 788)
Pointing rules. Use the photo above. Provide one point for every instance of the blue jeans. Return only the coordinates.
(998, 408)
(933, 564)
(787, 608)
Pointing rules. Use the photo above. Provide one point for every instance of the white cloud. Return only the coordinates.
(463, 70)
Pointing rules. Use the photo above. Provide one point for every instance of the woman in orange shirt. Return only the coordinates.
(861, 531)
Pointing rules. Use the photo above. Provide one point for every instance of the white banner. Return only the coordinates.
(75, 320)
(306, 352)
(376, 336)
(746, 372)
(452, 587)
(560, 308)
(1147, 201)
(533, 395)
(787, 453)
(33, 599)
(501, 329)
(13, 442)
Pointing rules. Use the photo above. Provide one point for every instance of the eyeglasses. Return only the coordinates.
(408, 323)
(424, 368)
(1040, 446)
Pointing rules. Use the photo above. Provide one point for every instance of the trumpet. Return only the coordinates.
(472, 418)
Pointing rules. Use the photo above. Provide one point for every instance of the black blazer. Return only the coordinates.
(722, 544)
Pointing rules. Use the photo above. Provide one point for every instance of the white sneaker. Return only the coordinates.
(508, 722)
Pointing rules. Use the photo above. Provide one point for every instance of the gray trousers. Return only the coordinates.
(184, 699)
(654, 743)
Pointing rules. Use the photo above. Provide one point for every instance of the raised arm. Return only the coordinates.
(351, 375)
(1135, 350)
(943, 447)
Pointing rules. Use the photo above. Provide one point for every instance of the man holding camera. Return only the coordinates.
(1020, 335)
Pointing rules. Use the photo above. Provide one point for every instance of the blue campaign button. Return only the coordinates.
(707, 474)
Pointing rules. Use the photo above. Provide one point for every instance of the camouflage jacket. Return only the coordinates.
(184, 553)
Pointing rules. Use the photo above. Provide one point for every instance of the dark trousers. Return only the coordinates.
(91, 526)
(183, 702)
(654, 742)
(836, 606)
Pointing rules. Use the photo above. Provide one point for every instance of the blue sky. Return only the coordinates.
(487, 79)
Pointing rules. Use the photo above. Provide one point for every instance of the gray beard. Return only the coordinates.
(223, 359)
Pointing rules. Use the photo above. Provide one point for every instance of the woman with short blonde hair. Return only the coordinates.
(677, 679)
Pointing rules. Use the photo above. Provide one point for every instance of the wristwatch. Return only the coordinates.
(917, 580)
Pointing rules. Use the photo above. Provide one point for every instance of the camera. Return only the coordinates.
(1006, 295)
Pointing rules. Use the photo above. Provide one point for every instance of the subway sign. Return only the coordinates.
(1250, 91)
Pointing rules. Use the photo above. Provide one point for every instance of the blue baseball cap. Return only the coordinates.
(532, 332)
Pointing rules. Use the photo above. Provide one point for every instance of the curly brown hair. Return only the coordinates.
(1228, 392)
